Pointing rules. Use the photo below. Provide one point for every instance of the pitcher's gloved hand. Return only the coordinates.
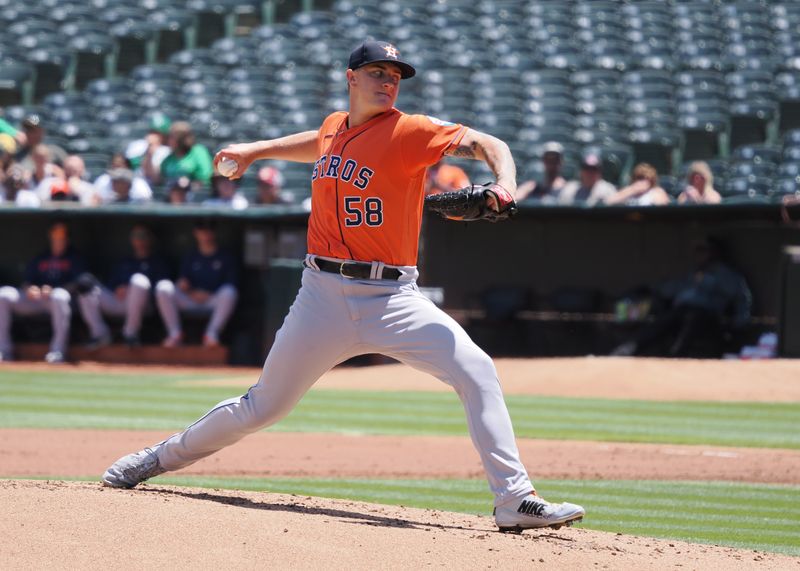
(472, 203)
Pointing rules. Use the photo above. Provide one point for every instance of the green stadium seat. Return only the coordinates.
(175, 27)
(92, 58)
(136, 44)
(50, 70)
(16, 84)
(747, 186)
(751, 121)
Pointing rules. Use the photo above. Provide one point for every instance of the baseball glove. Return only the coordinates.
(471, 203)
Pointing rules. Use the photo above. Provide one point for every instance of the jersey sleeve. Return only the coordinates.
(424, 140)
(328, 129)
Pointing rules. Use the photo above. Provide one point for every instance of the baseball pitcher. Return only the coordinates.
(359, 293)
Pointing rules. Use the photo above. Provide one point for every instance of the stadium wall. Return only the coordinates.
(562, 259)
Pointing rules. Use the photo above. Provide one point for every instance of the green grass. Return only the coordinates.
(752, 516)
(70, 399)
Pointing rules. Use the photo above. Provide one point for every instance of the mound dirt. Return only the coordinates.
(84, 526)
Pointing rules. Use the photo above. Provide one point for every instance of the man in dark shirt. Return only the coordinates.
(48, 278)
(207, 283)
(127, 293)
(702, 308)
(552, 181)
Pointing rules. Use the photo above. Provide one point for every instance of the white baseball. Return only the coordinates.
(227, 167)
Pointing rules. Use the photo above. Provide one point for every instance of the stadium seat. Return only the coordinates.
(16, 84)
(752, 121)
(791, 138)
(670, 184)
(750, 169)
(758, 154)
(655, 146)
(92, 58)
(135, 44)
(786, 186)
(160, 71)
(96, 163)
(175, 27)
(791, 155)
(50, 66)
(750, 186)
(705, 134)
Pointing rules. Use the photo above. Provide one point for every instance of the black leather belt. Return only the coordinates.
(356, 270)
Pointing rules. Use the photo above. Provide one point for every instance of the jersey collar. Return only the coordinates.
(348, 132)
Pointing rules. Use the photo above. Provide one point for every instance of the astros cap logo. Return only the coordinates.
(391, 51)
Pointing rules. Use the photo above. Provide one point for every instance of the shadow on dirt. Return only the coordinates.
(348, 516)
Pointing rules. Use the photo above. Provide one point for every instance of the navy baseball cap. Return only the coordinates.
(373, 51)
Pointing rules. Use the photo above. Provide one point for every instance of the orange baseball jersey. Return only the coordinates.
(368, 185)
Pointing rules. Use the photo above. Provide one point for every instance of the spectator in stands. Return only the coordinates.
(186, 158)
(443, 177)
(591, 189)
(8, 148)
(127, 292)
(700, 309)
(35, 135)
(225, 194)
(270, 187)
(179, 191)
(48, 280)
(139, 191)
(71, 187)
(207, 283)
(122, 191)
(16, 135)
(548, 188)
(700, 187)
(643, 190)
(15, 188)
(43, 167)
(146, 155)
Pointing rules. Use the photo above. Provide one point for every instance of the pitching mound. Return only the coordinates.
(85, 526)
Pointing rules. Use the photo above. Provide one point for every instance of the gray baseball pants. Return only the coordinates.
(334, 318)
(14, 302)
(171, 300)
(101, 301)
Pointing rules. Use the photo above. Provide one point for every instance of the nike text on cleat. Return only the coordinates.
(533, 512)
(132, 469)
